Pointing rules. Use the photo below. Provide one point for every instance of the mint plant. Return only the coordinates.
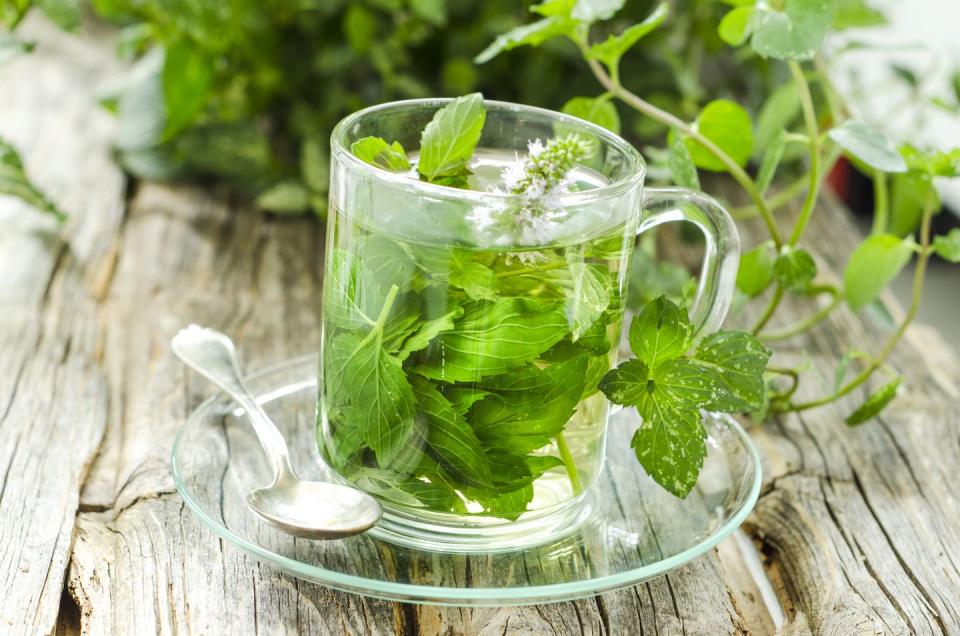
(456, 377)
(724, 138)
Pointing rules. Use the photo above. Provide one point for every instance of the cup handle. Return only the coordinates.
(719, 272)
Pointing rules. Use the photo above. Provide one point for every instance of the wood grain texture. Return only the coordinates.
(859, 524)
(858, 528)
(53, 391)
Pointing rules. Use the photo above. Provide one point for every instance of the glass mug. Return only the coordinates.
(458, 367)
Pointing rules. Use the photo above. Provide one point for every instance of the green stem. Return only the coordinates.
(813, 187)
(377, 331)
(569, 464)
(768, 312)
(834, 102)
(881, 204)
(917, 296)
(806, 323)
(530, 270)
(794, 382)
(784, 196)
(810, 122)
(668, 119)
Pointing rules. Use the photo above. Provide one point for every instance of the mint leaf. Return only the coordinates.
(670, 445)
(347, 437)
(627, 383)
(588, 296)
(728, 126)
(659, 332)
(875, 403)
(756, 269)
(494, 337)
(379, 153)
(554, 7)
(377, 388)
(448, 141)
(386, 263)
(475, 279)
(461, 398)
(947, 246)
(850, 14)
(670, 441)
(593, 10)
(14, 182)
(596, 110)
(612, 49)
(739, 360)
(869, 145)
(779, 110)
(186, 82)
(794, 32)
(936, 163)
(532, 34)
(908, 196)
(794, 268)
(289, 196)
(427, 331)
(872, 266)
(527, 407)
(449, 435)
(736, 25)
(680, 163)
(771, 160)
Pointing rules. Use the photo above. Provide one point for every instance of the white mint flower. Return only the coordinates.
(513, 174)
(541, 180)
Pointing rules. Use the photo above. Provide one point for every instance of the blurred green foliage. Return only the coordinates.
(239, 89)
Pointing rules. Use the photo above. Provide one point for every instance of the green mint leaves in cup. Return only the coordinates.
(470, 375)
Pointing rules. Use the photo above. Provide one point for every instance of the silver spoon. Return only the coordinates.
(311, 509)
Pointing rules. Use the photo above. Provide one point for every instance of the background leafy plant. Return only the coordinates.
(248, 91)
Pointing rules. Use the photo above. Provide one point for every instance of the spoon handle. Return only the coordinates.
(213, 355)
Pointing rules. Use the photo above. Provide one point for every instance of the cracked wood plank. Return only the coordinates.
(53, 392)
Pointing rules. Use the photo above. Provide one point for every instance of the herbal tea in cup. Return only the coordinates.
(473, 298)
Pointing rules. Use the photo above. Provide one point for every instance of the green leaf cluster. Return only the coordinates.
(669, 389)
(446, 145)
(449, 372)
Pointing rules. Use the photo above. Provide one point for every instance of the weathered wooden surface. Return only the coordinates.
(857, 528)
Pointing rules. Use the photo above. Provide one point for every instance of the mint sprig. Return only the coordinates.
(669, 388)
(447, 144)
(449, 140)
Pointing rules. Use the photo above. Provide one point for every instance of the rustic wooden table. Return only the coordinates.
(856, 529)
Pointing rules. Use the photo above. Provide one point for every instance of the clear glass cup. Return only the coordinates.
(459, 359)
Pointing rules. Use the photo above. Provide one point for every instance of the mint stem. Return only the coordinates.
(568, 462)
(377, 330)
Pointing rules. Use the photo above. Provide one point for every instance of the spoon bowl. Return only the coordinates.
(315, 509)
(311, 509)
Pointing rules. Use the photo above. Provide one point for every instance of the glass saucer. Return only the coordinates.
(635, 530)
